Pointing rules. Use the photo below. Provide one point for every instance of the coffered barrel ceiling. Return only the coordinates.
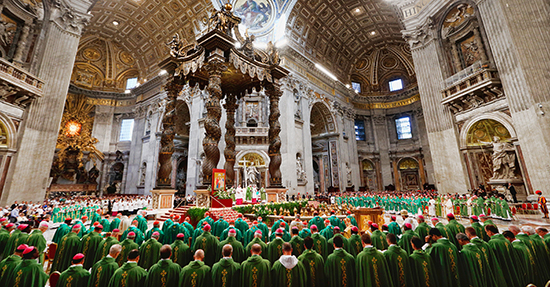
(337, 33)
(142, 27)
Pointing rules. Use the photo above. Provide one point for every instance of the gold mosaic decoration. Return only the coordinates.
(483, 132)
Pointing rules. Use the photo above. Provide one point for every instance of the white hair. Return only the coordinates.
(528, 229)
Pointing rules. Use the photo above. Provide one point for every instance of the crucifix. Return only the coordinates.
(244, 162)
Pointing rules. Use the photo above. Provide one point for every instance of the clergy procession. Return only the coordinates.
(325, 251)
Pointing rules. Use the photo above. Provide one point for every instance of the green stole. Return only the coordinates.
(197, 274)
(74, 276)
(149, 253)
(314, 268)
(284, 277)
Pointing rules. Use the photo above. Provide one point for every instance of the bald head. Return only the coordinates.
(199, 255)
(165, 251)
(529, 230)
(514, 229)
(115, 250)
(256, 249)
(227, 250)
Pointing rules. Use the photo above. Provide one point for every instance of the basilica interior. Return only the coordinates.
(374, 95)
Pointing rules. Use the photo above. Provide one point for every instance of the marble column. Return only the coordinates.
(381, 137)
(274, 93)
(521, 50)
(229, 152)
(29, 175)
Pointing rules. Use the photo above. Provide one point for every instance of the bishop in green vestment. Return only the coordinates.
(445, 258)
(219, 226)
(128, 245)
(257, 240)
(288, 271)
(255, 271)
(371, 266)
(23, 236)
(237, 248)
(75, 275)
(28, 273)
(505, 255)
(115, 223)
(105, 246)
(498, 277)
(393, 226)
(378, 238)
(319, 242)
(330, 245)
(8, 265)
(67, 248)
(317, 221)
(275, 247)
(239, 236)
(226, 272)
(474, 268)
(62, 230)
(165, 272)
(398, 262)
(421, 265)
(480, 230)
(422, 229)
(4, 236)
(196, 273)
(405, 240)
(340, 266)
(37, 239)
(355, 246)
(10, 243)
(297, 242)
(89, 246)
(209, 244)
(129, 274)
(156, 228)
(328, 232)
(103, 270)
(314, 265)
(149, 252)
(181, 252)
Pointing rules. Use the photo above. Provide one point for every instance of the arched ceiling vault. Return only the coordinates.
(337, 33)
(145, 25)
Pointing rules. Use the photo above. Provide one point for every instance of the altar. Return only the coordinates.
(364, 215)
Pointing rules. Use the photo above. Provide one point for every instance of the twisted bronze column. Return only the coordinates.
(164, 176)
(229, 152)
(212, 123)
(274, 93)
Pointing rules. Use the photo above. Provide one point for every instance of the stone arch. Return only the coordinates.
(407, 163)
(500, 117)
(9, 131)
(261, 160)
(183, 117)
(322, 119)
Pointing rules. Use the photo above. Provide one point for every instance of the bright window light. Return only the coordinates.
(356, 86)
(396, 85)
(324, 70)
(131, 83)
(126, 129)
(403, 126)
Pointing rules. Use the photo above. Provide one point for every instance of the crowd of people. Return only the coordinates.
(99, 249)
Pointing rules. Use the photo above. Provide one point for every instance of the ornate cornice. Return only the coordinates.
(421, 36)
(71, 15)
(387, 105)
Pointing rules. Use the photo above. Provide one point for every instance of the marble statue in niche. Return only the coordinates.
(252, 175)
(300, 172)
(504, 159)
(142, 174)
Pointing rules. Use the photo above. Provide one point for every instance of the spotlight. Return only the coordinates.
(115, 23)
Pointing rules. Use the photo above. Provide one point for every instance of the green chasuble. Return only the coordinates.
(328, 232)
(239, 236)
(355, 246)
(256, 241)
(318, 221)
(297, 245)
(219, 227)
(372, 269)
(37, 240)
(480, 231)
(394, 228)
(330, 244)
(181, 253)
(422, 230)
(422, 269)
(149, 253)
(161, 237)
(142, 223)
(104, 247)
(340, 269)
(445, 258)
(226, 273)
(163, 274)
(542, 256)
(6, 267)
(196, 274)
(288, 271)
(74, 276)
(4, 235)
(21, 239)
(255, 272)
(507, 259)
(405, 241)
(127, 246)
(320, 245)
(139, 235)
(106, 225)
(114, 224)
(397, 260)
(378, 240)
(10, 244)
(525, 262)
(102, 272)
(238, 249)
(275, 250)
(314, 268)
(474, 269)
(209, 244)
(68, 247)
(129, 275)
(61, 231)
(89, 246)
(498, 277)
(28, 273)
(210, 222)
(249, 234)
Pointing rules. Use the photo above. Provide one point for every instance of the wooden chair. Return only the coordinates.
(52, 249)
(54, 278)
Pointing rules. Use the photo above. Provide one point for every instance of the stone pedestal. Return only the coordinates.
(163, 199)
(500, 185)
(363, 215)
(276, 194)
(203, 198)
